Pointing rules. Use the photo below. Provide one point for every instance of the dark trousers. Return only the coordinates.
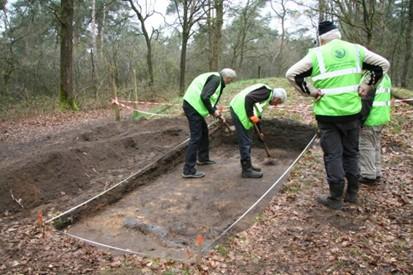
(339, 142)
(244, 138)
(198, 143)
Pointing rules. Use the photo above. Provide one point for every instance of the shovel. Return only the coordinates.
(269, 160)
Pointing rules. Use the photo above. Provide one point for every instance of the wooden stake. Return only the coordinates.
(115, 95)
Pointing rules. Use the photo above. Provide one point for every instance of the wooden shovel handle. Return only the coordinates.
(262, 140)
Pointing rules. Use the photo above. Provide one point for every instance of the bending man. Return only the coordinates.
(200, 100)
(246, 110)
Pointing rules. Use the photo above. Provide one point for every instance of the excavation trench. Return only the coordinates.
(157, 213)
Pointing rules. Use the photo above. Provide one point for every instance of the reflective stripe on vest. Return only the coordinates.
(381, 103)
(383, 90)
(381, 109)
(194, 90)
(238, 104)
(337, 73)
(341, 90)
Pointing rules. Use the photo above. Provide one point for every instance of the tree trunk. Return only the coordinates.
(94, 26)
(219, 21)
(215, 33)
(408, 47)
(278, 58)
(77, 23)
(185, 36)
(210, 24)
(3, 5)
(182, 66)
(67, 99)
(100, 30)
(94, 53)
(149, 62)
(148, 38)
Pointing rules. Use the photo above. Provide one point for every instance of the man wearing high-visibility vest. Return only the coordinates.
(336, 68)
(200, 100)
(376, 113)
(246, 110)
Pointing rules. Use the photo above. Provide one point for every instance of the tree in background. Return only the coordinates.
(3, 4)
(215, 20)
(189, 12)
(108, 40)
(408, 47)
(142, 17)
(281, 12)
(245, 29)
(379, 25)
(67, 99)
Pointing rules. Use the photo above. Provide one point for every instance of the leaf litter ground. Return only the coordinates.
(292, 235)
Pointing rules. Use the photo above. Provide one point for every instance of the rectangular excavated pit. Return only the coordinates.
(165, 214)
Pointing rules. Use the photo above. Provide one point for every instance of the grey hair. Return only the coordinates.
(279, 93)
(331, 35)
(227, 72)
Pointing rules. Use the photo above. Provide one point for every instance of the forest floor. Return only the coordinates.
(291, 235)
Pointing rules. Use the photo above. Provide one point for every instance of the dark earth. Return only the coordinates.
(163, 216)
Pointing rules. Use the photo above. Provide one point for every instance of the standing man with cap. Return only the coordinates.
(376, 113)
(200, 99)
(246, 110)
(335, 68)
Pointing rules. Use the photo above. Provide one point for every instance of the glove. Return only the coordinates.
(254, 119)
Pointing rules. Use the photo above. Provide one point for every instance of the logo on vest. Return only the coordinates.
(339, 53)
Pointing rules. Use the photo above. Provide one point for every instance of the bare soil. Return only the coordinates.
(67, 167)
(162, 218)
(293, 235)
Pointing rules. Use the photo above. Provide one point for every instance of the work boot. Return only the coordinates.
(352, 189)
(248, 172)
(330, 202)
(334, 201)
(255, 168)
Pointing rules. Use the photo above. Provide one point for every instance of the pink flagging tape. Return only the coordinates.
(146, 102)
(120, 102)
(116, 102)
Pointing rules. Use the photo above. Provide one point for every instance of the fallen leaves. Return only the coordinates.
(294, 235)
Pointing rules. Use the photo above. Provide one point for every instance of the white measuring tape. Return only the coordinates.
(204, 249)
(104, 245)
(207, 247)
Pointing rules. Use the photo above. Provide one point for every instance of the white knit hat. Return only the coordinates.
(279, 93)
(227, 72)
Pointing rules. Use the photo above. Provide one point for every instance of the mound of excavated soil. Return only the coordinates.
(67, 168)
(71, 166)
